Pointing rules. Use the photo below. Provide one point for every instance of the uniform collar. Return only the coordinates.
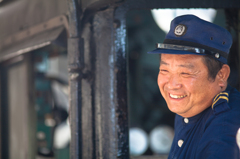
(220, 104)
(194, 119)
(220, 101)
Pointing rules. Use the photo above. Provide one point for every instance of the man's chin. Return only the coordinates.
(177, 110)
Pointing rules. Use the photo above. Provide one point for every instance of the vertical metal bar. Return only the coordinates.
(88, 137)
(98, 100)
(74, 16)
(110, 93)
(104, 90)
(22, 114)
(121, 82)
(75, 66)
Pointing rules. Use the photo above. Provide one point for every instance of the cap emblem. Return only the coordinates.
(180, 30)
(217, 55)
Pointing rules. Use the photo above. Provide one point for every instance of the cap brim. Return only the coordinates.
(180, 52)
(170, 51)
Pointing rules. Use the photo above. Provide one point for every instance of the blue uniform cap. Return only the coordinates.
(191, 35)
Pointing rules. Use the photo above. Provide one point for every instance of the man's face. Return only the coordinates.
(184, 84)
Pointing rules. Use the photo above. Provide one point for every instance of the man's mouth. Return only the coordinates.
(177, 96)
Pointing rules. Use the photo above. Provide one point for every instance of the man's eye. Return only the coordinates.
(185, 73)
(164, 71)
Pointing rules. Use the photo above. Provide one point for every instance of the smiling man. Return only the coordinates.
(192, 78)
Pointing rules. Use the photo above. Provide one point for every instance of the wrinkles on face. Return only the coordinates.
(183, 83)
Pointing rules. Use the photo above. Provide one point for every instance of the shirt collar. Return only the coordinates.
(220, 101)
(194, 119)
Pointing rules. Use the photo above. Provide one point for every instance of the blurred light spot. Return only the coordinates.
(62, 135)
(50, 122)
(161, 139)
(138, 141)
(41, 135)
(163, 17)
(238, 138)
(45, 150)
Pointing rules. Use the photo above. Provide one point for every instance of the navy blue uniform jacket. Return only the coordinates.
(210, 134)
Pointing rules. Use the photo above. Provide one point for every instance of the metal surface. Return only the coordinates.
(34, 30)
(21, 114)
(75, 101)
(18, 15)
(35, 37)
(87, 117)
(105, 86)
(97, 87)
(110, 97)
(75, 66)
(120, 46)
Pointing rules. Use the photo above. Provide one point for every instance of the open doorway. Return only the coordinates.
(150, 119)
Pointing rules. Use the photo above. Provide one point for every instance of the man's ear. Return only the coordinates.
(223, 75)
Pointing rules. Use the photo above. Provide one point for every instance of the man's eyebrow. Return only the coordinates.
(163, 63)
(187, 65)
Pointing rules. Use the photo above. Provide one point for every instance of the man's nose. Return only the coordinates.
(174, 82)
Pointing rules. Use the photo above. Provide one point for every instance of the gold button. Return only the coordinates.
(180, 143)
(186, 120)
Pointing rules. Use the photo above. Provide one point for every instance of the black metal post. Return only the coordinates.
(98, 88)
(75, 66)
(110, 93)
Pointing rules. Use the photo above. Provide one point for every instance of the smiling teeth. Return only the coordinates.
(177, 97)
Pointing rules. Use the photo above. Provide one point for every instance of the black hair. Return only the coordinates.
(213, 65)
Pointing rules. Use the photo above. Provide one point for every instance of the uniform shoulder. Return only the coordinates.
(234, 98)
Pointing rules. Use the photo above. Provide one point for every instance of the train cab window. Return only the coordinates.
(151, 124)
(34, 106)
